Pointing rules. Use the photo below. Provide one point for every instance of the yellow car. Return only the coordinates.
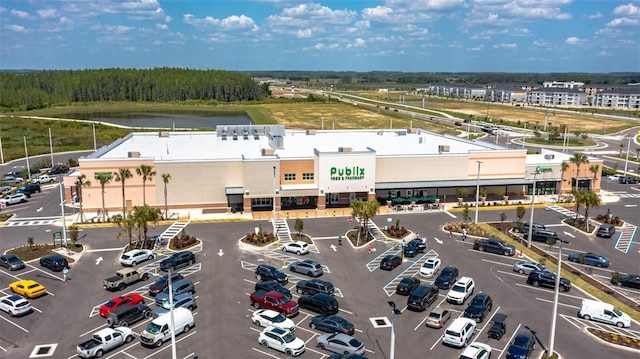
(29, 288)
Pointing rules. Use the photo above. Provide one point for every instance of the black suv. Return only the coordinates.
(314, 286)
(447, 277)
(178, 260)
(55, 262)
(627, 180)
(479, 307)
(414, 247)
(422, 297)
(547, 279)
(30, 188)
(266, 272)
(494, 245)
(320, 303)
(126, 314)
(541, 235)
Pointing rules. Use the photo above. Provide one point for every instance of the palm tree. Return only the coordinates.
(126, 225)
(142, 215)
(104, 178)
(165, 179)
(147, 173)
(637, 153)
(621, 148)
(594, 169)
(364, 211)
(579, 199)
(578, 159)
(563, 168)
(590, 200)
(82, 181)
(121, 176)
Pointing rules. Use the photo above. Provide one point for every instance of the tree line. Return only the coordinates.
(39, 89)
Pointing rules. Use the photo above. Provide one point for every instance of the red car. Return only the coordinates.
(118, 301)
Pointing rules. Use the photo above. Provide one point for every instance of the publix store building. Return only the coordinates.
(254, 168)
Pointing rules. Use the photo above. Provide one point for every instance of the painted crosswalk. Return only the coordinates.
(39, 221)
(629, 195)
(625, 238)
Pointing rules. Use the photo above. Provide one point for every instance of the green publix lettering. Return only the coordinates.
(347, 173)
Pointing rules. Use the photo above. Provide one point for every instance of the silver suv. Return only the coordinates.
(308, 267)
(185, 300)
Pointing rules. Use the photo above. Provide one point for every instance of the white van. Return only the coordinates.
(158, 330)
(603, 312)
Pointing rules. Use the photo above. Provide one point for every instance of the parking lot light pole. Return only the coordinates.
(274, 202)
(394, 311)
(477, 190)
(533, 202)
(552, 331)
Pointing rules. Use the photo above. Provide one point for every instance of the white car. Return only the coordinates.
(430, 268)
(281, 340)
(135, 256)
(14, 198)
(476, 350)
(15, 305)
(461, 290)
(271, 318)
(614, 178)
(297, 247)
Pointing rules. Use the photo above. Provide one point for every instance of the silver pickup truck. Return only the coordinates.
(103, 341)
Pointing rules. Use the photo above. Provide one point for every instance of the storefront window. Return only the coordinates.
(299, 202)
(543, 187)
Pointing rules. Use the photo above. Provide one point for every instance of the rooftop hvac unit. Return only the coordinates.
(164, 133)
(268, 152)
(344, 149)
(549, 156)
(311, 132)
(444, 148)
(134, 154)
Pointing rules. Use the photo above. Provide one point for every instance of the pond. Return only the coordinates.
(168, 120)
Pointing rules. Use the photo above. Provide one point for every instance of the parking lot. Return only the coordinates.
(224, 278)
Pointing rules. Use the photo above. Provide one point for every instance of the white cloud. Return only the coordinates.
(231, 23)
(597, 15)
(20, 14)
(623, 21)
(572, 40)
(47, 13)
(604, 53)
(505, 46)
(306, 33)
(627, 10)
(17, 28)
(541, 43)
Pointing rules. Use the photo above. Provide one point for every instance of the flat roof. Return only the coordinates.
(204, 146)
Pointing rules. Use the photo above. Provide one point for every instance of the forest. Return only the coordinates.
(35, 89)
(27, 90)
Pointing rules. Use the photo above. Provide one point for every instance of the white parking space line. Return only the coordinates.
(512, 273)
(551, 302)
(265, 353)
(190, 355)
(14, 324)
(498, 263)
(450, 214)
(105, 250)
(3, 349)
(163, 348)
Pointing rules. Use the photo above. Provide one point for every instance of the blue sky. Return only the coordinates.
(355, 35)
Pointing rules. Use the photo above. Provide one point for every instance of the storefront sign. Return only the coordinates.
(346, 173)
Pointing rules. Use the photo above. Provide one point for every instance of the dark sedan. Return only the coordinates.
(407, 285)
(414, 247)
(447, 277)
(627, 280)
(591, 259)
(162, 283)
(389, 262)
(521, 346)
(55, 262)
(332, 324)
(11, 262)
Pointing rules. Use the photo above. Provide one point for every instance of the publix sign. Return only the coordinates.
(346, 173)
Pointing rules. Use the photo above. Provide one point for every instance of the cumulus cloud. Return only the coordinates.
(572, 40)
(623, 21)
(627, 10)
(231, 23)
(47, 13)
(604, 53)
(597, 15)
(20, 14)
(541, 43)
(17, 28)
(162, 26)
(304, 33)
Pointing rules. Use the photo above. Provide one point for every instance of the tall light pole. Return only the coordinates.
(173, 323)
(26, 154)
(626, 162)
(533, 201)
(477, 190)
(394, 311)
(95, 147)
(552, 331)
(524, 134)
(274, 201)
(64, 219)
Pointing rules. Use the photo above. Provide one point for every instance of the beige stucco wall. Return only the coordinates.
(497, 164)
(421, 168)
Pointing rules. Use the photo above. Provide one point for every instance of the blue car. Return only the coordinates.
(591, 259)
(521, 346)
